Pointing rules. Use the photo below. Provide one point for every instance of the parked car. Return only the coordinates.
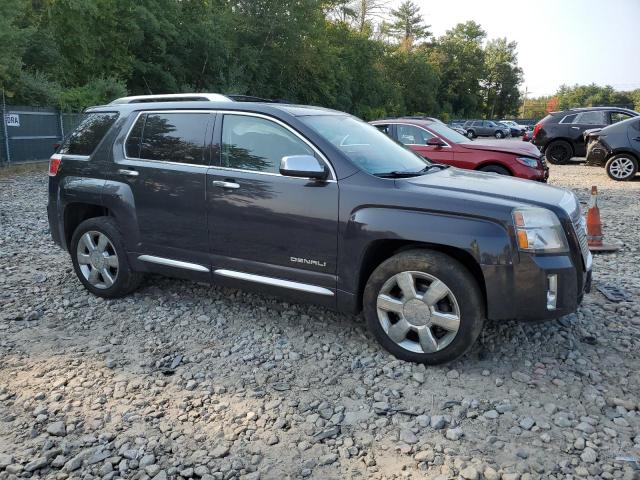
(616, 148)
(312, 205)
(559, 135)
(486, 128)
(516, 130)
(458, 127)
(441, 144)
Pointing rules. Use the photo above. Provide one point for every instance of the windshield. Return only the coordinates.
(366, 146)
(449, 133)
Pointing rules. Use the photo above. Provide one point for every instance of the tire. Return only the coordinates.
(418, 271)
(100, 261)
(495, 169)
(558, 152)
(621, 167)
(499, 134)
(471, 134)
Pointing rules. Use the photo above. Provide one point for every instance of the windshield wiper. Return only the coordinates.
(406, 174)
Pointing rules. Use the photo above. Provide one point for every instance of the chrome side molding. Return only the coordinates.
(173, 263)
(276, 282)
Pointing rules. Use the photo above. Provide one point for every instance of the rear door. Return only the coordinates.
(266, 229)
(416, 139)
(583, 121)
(166, 154)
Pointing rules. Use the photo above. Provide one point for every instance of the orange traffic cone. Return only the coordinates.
(594, 226)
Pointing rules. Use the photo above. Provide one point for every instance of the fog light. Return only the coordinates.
(552, 291)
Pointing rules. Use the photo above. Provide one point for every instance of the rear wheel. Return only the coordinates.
(495, 169)
(99, 259)
(621, 167)
(558, 152)
(424, 306)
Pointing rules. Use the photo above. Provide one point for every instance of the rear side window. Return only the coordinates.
(569, 118)
(175, 137)
(86, 137)
(619, 117)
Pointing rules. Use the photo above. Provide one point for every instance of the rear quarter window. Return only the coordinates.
(86, 137)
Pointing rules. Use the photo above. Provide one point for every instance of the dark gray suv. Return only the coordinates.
(312, 205)
(486, 128)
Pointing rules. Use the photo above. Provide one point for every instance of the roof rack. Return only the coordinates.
(174, 97)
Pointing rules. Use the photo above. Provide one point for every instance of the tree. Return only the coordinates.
(13, 43)
(459, 59)
(408, 25)
(502, 78)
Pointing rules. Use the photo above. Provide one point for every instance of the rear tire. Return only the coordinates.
(100, 260)
(621, 167)
(424, 306)
(558, 152)
(495, 169)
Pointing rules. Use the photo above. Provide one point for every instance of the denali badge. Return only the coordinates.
(306, 261)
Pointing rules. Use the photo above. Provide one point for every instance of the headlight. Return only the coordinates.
(539, 230)
(528, 162)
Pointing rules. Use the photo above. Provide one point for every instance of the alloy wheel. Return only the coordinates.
(558, 153)
(418, 312)
(97, 259)
(621, 168)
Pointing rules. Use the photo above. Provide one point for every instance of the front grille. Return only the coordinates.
(580, 227)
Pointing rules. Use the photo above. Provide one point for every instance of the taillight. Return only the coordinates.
(54, 164)
(536, 129)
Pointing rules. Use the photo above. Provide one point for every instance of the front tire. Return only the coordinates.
(424, 306)
(558, 152)
(99, 259)
(471, 134)
(621, 167)
(495, 169)
(499, 134)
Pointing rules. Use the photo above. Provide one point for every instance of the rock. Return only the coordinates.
(454, 434)
(161, 475)
(327, 459)
(491, 414)
(5, 460)
(520, 377)
(527, 423)
(74, 464)
(220, 451)
(36, 464)
(490, 474)
(469, 473)
(561, 420)
(438, 422)
(408, 437)
(425, 456)
(57, 429)
(589, 455)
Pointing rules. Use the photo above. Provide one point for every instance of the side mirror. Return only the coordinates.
(305, 166)
(435, 142)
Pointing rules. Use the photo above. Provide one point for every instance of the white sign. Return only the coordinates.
(12, 119)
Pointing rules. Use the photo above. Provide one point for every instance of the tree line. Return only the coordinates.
(352, 55)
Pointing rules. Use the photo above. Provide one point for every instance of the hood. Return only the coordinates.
(496, 186)
(524, 149)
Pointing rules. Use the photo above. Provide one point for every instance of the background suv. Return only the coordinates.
(312, 205)
(438, 142)
(559, 135)
(486, 128)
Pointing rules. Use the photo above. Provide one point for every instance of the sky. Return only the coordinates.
(559, 41)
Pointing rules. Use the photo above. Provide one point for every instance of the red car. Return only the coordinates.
(437, 142)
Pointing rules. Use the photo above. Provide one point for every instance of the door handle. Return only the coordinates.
(128, 173)
(637, 139)
(576, 128)
(224, 184)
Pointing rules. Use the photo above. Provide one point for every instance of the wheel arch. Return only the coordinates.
(497, 163)
(559, 139)
(77, 212)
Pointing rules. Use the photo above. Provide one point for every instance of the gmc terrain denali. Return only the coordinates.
(317, 206)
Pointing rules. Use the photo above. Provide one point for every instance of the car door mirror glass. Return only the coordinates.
(305, 166)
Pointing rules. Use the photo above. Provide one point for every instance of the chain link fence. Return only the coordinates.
(31, 133)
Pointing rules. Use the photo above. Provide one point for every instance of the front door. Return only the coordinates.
(416, 138)
(266, 228)
(165, 161)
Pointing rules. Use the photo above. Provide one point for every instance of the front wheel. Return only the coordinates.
(470, 134)
(495, 169)
(99, 259)
(424, 306)
(499, 134)
(621, 167)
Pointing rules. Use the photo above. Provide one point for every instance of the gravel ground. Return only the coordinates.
(183, 380)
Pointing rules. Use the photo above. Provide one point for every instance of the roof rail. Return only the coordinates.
(173, 97)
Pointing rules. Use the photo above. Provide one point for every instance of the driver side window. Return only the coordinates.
(258, 144)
